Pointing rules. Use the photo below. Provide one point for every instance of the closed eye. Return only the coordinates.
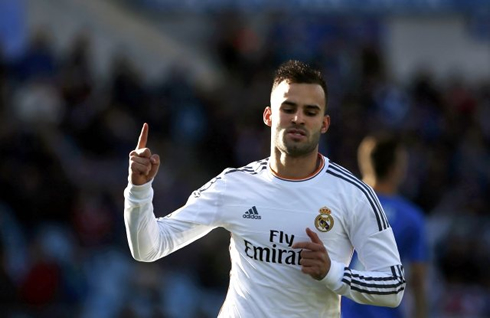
(312, 110)
(288, 107)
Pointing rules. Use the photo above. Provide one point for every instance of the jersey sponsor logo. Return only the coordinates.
(252, 213)
(324, 222)
(272, 254)
(279, 252)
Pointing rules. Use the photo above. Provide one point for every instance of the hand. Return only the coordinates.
(315, 260)
(143, 166)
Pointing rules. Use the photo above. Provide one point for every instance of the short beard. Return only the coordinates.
(297, 150)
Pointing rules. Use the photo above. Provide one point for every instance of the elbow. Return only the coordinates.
(148, 257)
(395, 299)
(137, 256)
(142, 259)
(391, 300)
(399, 290)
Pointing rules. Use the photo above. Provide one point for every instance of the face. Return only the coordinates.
(297, 118)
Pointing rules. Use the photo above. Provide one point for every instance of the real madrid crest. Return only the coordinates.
(324, 222)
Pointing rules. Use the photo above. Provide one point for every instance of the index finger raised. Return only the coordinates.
(143, 137)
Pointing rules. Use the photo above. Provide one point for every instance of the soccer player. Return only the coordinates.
(382, 162)
(294, 217)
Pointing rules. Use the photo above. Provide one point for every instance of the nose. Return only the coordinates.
(298, 118)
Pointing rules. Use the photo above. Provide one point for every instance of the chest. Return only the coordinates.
(278, 217)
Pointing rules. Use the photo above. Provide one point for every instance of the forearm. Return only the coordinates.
(381, 282)
(380, 288)
(150, 238)
(141, 225)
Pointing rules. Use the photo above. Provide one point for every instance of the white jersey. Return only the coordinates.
(266, 215)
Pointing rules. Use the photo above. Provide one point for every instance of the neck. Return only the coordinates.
(294, 167)
(385, 188)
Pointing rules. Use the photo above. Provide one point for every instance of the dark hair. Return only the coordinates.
(298, 72)
(383, 156)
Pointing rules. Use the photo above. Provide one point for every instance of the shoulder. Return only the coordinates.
(346, 179)
(352, 191)
(417, 216)
(229, 174)
(252, 168)
(409, 209)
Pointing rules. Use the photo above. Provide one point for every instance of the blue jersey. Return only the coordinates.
(407, 221)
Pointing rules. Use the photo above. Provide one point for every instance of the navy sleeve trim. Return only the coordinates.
(376, 285)
(342, 173)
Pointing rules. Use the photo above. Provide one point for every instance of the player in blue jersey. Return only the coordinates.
(382, 162)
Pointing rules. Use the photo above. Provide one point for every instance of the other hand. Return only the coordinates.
(315, 260)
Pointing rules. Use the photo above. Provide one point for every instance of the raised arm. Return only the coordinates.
(151, 238)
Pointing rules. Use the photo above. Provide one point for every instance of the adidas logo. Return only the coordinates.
(252, 213)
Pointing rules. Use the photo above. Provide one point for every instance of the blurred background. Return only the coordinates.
(79, 78)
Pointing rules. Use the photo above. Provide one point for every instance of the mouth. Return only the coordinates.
(296, 133)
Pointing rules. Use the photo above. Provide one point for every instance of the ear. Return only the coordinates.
(267, 116)
(325, 124)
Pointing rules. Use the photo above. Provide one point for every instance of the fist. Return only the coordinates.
(143, 165)
(315, 260)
